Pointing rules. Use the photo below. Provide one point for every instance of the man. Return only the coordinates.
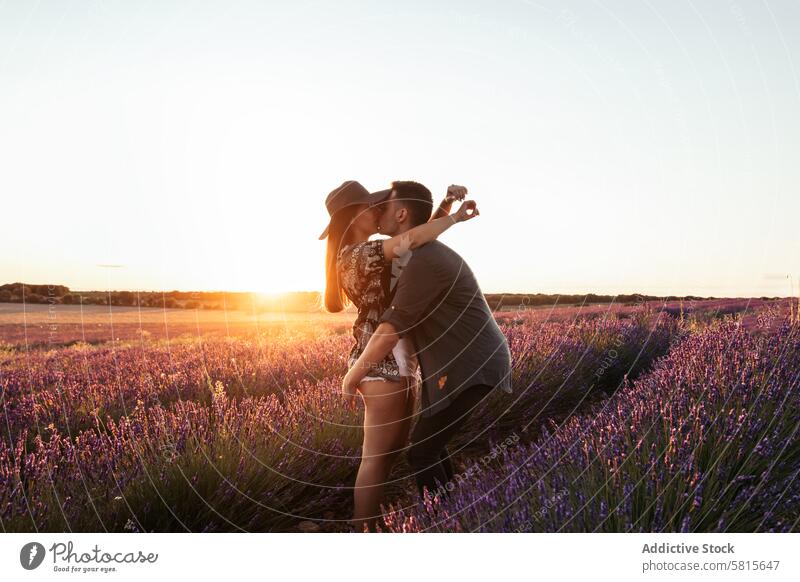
(462, 353)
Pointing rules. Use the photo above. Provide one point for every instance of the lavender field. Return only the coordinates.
(706, 441)
(638, 419)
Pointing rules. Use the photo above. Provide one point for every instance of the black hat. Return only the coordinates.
(348, 194)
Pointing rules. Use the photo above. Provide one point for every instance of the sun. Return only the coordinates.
(271, 295)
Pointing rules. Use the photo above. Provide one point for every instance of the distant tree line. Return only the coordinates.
(13, 293)
(521, 300)
(294, 301)
(60, 294)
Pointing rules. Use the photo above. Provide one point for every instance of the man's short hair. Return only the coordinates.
(416, 198)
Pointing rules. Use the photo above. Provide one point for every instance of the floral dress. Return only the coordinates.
(361, 270)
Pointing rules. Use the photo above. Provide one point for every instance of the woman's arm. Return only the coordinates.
(425, 233)
(453, 193)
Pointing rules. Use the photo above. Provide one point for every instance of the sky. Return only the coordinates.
(612, 147)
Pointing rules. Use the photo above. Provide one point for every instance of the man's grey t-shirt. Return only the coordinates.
(438, 303)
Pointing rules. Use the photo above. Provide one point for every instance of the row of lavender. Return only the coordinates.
(238, 434)
(70, 388)
(706, 441)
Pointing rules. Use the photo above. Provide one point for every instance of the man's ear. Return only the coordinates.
(401, 215)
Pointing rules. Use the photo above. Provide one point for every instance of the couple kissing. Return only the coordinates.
(427, 348)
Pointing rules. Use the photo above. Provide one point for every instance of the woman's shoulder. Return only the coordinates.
(364, 250)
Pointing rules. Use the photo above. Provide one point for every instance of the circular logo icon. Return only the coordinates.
(31, 555)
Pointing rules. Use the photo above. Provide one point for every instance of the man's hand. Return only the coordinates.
(454, 193)
(379, 345)
(349, 385)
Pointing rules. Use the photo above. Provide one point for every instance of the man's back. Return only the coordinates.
(439, 304)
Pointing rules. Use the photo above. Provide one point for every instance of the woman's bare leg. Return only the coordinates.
(386, 428)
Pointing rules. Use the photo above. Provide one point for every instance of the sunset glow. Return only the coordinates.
(196, 152)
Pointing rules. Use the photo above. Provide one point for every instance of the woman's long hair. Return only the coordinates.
(338, 234)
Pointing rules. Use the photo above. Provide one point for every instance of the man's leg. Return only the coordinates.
(446, 463)
(427, 454)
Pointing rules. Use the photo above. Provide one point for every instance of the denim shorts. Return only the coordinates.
(406, 361)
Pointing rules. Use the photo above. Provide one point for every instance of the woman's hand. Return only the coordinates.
(455, 193)
(466, 211)
(425, 233)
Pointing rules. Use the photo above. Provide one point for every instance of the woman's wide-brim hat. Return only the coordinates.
(348, 194)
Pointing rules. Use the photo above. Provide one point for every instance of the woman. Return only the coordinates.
(355, 272)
